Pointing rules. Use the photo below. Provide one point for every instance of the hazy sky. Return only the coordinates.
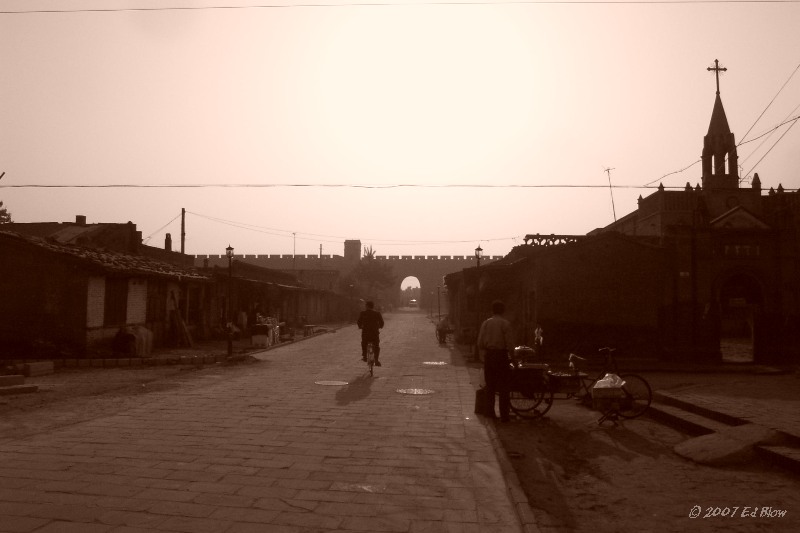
(431, 95)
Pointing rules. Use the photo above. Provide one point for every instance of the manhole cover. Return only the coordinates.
(330, 383)
(415, 391)
(434, 363)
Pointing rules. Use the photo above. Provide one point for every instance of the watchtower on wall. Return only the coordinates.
(352, 252)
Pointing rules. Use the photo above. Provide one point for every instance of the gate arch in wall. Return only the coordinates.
(430, 271)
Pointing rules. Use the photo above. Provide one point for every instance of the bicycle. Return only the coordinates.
(636, 394)
(534, 387)
(370, 357)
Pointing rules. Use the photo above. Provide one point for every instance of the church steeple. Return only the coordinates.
(720, 161)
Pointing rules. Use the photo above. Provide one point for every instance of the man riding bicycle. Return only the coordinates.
(370, 322)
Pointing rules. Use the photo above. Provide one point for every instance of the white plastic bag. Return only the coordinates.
(609, 381)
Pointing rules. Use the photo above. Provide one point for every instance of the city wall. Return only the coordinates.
(429, 270)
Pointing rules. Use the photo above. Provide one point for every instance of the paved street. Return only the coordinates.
(275, 449)
(262, 447)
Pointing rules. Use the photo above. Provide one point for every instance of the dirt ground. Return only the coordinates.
(583, 477)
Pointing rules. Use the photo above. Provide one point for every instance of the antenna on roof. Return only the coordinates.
(613, 209)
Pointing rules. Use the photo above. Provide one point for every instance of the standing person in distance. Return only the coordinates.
(496, 338)
(370, 323)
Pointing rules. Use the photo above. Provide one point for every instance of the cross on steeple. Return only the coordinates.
(717, 69)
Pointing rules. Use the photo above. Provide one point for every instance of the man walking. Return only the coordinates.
(370, 322)
(497, 340)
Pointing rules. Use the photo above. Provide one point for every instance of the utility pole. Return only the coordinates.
(183, 230)
(611, 190)
(294, 250)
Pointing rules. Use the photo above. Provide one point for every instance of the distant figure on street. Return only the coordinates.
(496, 339)
(538, 340)
(443, 328)
(370, 323)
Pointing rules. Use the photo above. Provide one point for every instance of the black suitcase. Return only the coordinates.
(483, 406)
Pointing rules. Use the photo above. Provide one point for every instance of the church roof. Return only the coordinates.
(738, 218)
(719, 122)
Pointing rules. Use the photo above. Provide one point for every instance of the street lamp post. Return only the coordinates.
(439, 302)
(229, 255)
(478, 255)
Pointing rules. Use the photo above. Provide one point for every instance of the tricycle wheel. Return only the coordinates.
(531, 404)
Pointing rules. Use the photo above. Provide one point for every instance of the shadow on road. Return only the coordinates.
(358, 389)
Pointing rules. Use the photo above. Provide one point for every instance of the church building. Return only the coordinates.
(705, 273)
(733, 255)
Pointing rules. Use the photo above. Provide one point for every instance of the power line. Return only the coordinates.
(650, 183)
(771, 101)
(786, 121)
(389, 4)
(159, 229)
(771, 147)
(767, 135)
(324, 185)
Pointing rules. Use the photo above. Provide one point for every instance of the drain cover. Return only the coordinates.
(415, 391)
(330, 383)
(434, 363)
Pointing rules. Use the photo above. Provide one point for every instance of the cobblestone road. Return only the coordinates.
(268, 449)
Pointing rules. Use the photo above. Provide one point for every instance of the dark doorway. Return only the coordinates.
(740, 300)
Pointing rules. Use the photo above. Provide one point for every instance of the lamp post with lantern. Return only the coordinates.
(439, 301)
(478, 256)
(228, 328)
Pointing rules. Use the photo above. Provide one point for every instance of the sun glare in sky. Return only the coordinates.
(296, 110)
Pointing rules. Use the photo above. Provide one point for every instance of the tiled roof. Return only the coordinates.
(106, 260)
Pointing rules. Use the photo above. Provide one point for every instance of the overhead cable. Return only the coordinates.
(387, 4)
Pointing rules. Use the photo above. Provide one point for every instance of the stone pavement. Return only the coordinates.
(280, 447)
(714, 403)
(772, 401)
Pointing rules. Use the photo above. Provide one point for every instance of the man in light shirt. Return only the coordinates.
(496, 338)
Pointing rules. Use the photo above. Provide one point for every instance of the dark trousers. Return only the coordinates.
(376, 345)
(498, 380)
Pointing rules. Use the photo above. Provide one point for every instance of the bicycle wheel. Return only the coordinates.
(370, 357)
(531, 404)
(638, 396)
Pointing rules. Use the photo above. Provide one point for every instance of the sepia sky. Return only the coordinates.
(421, 129)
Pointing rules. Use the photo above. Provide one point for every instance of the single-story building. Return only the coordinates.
(60, 299)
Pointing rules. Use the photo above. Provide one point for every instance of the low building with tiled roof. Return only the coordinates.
(65, 299)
